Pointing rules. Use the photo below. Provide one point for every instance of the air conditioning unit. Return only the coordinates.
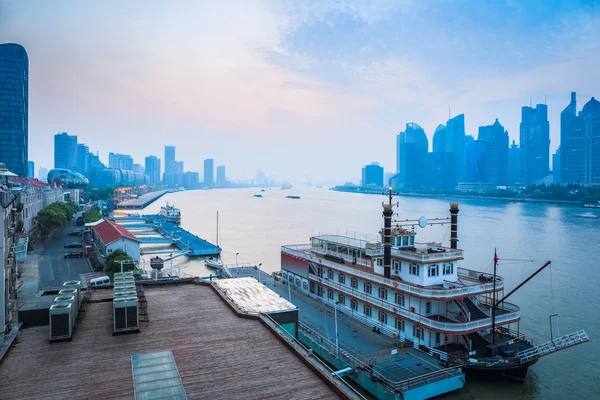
(75, 293)
(125, 315)
(66, 298)
(61, 327)
(75, 285)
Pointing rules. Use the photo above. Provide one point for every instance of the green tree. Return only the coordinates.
(113, 265)
(49, 219)
(92, 215)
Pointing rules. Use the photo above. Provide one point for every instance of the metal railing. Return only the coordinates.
(454, 327)
(437, 294)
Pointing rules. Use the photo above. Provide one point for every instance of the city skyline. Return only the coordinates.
(282, 88)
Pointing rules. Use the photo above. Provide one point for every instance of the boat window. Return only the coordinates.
(379, 262)
(330, 293)
(341, 299)
(414, 269)
(434, 270)
(367, 310)
(342, 279)
(448, 268)
(397, 266)
(354, 304)
(330, 274)
(368, 288)
(399, 298)
(382, 293)
(404, 240)
(320, 272)
(298, 281)
(399, 324)
(382, 317)
(354, 283)
(411, 241)
(428, 308)
(305, 285)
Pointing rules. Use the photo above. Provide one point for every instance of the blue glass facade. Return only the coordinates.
(116, 177)
(14, 84)
(67, 178)
(209, 172)
(65, 151)
(372, 175)
(411, 147)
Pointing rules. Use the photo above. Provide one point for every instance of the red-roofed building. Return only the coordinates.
(109, 236)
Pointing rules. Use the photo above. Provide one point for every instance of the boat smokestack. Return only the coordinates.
(387, 237)
(453, 225)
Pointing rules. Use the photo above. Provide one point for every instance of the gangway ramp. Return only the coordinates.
(553, 346)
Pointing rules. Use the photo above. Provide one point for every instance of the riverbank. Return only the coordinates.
(457, 196)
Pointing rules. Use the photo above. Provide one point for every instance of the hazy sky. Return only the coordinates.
(297, 88)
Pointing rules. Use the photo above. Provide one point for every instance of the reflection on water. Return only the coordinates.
(525, 235)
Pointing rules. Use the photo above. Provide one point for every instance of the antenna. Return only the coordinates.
(449, 114)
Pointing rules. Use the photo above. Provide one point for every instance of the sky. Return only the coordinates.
(301, 89)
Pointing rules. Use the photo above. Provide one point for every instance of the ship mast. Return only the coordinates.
(388, 212)
(494, 298)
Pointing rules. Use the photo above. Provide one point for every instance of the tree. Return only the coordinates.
(113, 265)
(49, 219)
(92, 215)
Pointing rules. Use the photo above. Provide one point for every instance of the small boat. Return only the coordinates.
(592, 205)
(213, 262)
(292, 197)
(262, 190)
(258, 195)
(170, 214)
(588, 215)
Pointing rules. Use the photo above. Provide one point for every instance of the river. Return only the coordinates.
(524, 234)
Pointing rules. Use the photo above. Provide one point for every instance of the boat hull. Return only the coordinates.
(517, 371)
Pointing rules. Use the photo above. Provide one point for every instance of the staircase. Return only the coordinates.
(553, 346)
(475, 312)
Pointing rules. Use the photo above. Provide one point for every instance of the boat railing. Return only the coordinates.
(394, 284)
(505, 305)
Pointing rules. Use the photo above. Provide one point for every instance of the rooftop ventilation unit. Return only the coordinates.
(75, 285)
(60, 322)
(65, 298)
(75, 293)
(125, 315)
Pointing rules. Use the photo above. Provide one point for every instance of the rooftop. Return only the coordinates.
(108, 232)
(217, 354)
(253, 297)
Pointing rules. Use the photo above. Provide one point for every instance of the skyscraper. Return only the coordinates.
(209, 172)
(14, 105)
(475, 162)
(535, 143)
(65, 151)
(30, 169)
(372, 175)
(221, 179)
(83, 160)
(440, 171)
(496, 139)
(170, 160)
(179, 167)
(411, 147)
(152, 165)
(567, 116)
(514, 164)
(139, 169)
(451, 139)
(95, 163)
(120, 161)
(583, 160)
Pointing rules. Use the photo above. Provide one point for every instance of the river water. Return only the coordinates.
(524, 234)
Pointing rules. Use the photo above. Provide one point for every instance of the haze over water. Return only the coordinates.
(256, 228)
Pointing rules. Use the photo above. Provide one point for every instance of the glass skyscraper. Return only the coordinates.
(65, 151)
(14, 83)
(535, 143)
(209, 172)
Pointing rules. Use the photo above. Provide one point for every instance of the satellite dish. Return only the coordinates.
(422, 222)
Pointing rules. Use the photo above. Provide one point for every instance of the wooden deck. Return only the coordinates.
(219, 356)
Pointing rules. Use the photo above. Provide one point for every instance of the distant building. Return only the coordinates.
(411, 147)
(170, 167)
(14, 107)
(496, 139)
(30, 169)
(94, 162)
(440, 171)
(110, 236)
(65, 151)
(191, 179)
(83, 159)
(567, 117)
(152, 169)
(556, 168)
(514, 164)
(372, 175)
(120, 161)
(43, 174)
(221, 178)
(475, 162)
(67, 178)
(139, 169)
(179, 167)
(209, 172)
(451, 139)
(535, 143)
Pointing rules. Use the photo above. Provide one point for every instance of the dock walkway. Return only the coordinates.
(143, 201)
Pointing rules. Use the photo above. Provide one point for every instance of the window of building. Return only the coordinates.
(428, 307)
(399, 324)
(397, 266)
(399, 299)
(418, 332)
(382, 293)
(414, 269)
(433, 270)
(330, 274)
(379, 262)
(342, 299)
(320, 291)
(320, 272)
(404, 240)
(411, 240)
(437, 338)
(368, 288)
(367, 310)
(448, 268)
(354, 304)
(382, 317)
(342, 279)
(354, 283)
(330, 293)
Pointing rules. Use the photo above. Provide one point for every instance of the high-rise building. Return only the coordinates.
(191, 179)
(451, 139)
(439, 139)
(30, 169)
(83, 160)
(139, 169)
(209, 172)
(95, 163)
(221, 179)
(14, 105)
(120, 161)
(475, 162)
(583, 160)
(556, 169)
(567, 116)
(496, 139)
(440, 171)
(535, 143)
(43, 174)
(65, 151)
(170, 160)
(372, 175)
(152, 167)
(514, 164)
(179, 167)
(411, 147)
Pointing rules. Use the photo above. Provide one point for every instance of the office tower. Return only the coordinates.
(451, 139)
(496, 139)
(152, 167)
(221, 175)
(43, 174)
(138, 169)
(372, 175)
(567, 116)
(65, 151)
(556, 169)
(30, 169)
(190, 179)
(411, 147)
(170, 160)
(440, 171)
(178, 167)
(209, 172)
(120, 161)
(94, 162)
(14, 105)
(535, 143)
(475, 162)
(514, 164)
(83, 160)
(439, 139)
(583, 143)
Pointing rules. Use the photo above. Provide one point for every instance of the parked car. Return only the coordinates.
(74, 233)
(74, 254)
(74, 245)
(79, 221)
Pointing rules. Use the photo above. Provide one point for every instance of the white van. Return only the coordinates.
(102, 282)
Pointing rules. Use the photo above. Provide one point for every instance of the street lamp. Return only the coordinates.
(336, 328)
(236, 264)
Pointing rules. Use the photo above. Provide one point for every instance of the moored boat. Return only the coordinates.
(588, 215)
(213, 262)
(170, 214)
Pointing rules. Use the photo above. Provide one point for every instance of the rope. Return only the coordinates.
(553, 310)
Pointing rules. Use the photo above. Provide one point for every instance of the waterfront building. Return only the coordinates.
(372, 175)
(139, 169)
(567, 116)
(14, 107)
(170, 167)
(190, 179)
(43, 174)
(152, 168)
(439, 139)
(440, 171)
(411, 148)
(221, 178)
(535, 143)
(451, 139)
(209, 172)
(496, 139)
(109, 236)
(83, 159)
(514, 164)
(67, 178)
(65, 151)
(120, 161)
(30, 169)
(556, 167)
(475, 162)
(179, 167)
(95, 163)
